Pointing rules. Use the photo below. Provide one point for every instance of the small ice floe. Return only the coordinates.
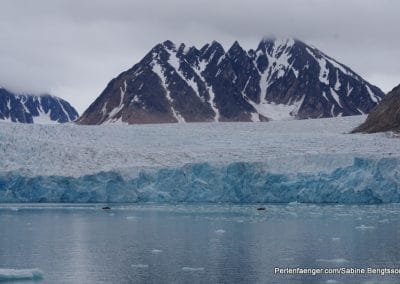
(192, 268)
(331, 281)
(335, 239)
(156, 251)
(363, 227)
(20, 274)
(14, 208)
(333, 260)
(140, 265)
(384, 221)
(131, 218)
(220, 232)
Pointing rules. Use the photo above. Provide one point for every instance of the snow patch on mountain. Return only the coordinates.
(199, 70)
(278, 63)
(117, 109)
(160, 73)
(336, 97)
(43, 118)
(323, 70)
(276, 111)
(372, 95)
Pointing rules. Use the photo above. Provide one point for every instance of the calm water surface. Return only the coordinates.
(198, 243)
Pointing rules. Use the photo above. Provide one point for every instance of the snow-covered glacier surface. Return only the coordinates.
(284, 161)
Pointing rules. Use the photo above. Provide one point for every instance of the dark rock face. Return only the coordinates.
(30, 109)
(280, 79)
(385, 116)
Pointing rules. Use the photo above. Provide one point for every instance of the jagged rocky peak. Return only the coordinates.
(276, 46)
(280, 79)
(169, 45)
(236, 50)
(42, 109)
(385, 116)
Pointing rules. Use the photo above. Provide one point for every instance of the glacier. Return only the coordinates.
(305, 161)
(365, 181)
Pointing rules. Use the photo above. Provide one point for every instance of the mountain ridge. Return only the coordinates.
(26, 108)
(385, 116)
(280, 79)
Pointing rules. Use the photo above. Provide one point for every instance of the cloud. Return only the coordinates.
(73, 48)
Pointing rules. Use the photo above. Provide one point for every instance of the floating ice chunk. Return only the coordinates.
(220, 231)
(193, 268)
(20, 274)
(287, 258)
(335, 239)
(331, 281)
(333, 260)
(363, 227)
(156, 251)
(131, 217)
(139, 265)
(384, 221)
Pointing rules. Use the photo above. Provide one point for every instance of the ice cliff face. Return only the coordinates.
(280, 79)
(42, 109)
(365, 181)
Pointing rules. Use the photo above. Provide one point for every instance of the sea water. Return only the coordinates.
(216, 243)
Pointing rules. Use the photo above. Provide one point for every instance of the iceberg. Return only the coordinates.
(140, 265)
(20, 274)
(192, 269)
(333, 260)
(363, 181)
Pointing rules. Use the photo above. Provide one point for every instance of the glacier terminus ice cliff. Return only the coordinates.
(310, 161)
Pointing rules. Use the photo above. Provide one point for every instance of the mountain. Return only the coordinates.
(281, 79)
(385, 116)
(34, 109)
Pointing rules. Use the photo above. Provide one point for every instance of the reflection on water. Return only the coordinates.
(197, 243)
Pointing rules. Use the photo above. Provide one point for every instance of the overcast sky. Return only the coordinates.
(72, 49)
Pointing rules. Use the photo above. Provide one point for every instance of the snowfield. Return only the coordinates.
(279, 161)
